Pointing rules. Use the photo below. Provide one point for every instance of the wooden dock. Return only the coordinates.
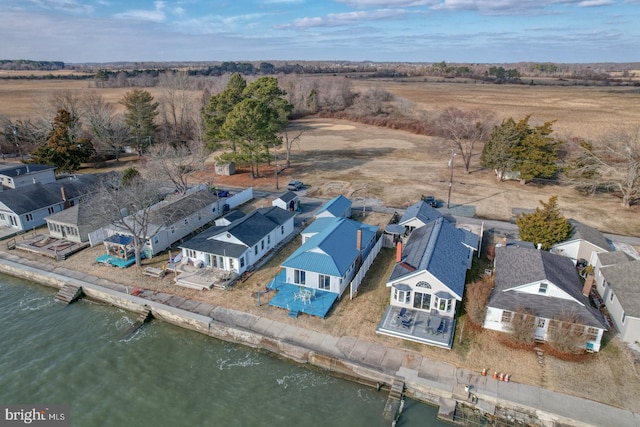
(69, 293)
(392, 407)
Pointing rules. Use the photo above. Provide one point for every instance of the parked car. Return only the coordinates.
(431, 201)
(295, 185)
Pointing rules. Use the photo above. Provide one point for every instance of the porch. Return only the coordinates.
(299, 299)
(418, 326)
(45, 244)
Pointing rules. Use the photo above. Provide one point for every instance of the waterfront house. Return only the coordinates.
(337, 207)
(546, 286)
(27, 207)
(582, 244)
(427, 282)
(173, 219)
(76, 224)
(616, 277)
(238, 246)
(21, 175)
(329, 258)
(289, 201)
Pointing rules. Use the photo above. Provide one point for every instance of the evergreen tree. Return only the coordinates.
(139, 116)
(545, 226)
(64, 149)
(218, 107)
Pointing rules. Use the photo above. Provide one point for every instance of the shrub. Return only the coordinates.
(523, 326)
(476, 299)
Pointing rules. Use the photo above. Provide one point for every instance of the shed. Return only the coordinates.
(225, 168)
(289, 201)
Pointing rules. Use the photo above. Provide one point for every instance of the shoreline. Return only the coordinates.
(429, 381)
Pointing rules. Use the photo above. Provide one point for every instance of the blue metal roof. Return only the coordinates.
(336, 206)
(333, 250)
(119, 239)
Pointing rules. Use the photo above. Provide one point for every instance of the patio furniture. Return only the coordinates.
(407, 323)
(440, 329)
(403, 311)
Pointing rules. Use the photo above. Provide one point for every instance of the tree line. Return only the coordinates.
(247, 116)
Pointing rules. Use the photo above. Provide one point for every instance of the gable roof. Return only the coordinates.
(288, 196)
(233, 216)
(169, 212)
(420, 211)
(333, 250)
(588, 234)
(615, 257)
(439, 249)
(249, 229)
(38, 196)
(623, 279)
(78, 215)
(517, 266)
(336, 206)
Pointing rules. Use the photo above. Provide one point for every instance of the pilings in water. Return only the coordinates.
(69, 293)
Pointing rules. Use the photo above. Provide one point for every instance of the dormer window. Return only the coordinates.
(543, 288)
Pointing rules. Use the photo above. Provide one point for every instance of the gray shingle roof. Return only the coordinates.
(204, 243)
(615, 257)
(21, 170)
(38, 196)
(589, 234)
(288, 196)
(437, 248)
(421, 211)
(517, 266)
(172, 211)
(624, 280)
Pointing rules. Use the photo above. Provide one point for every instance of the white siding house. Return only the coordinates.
(546, 285)
(582, 244)
(238, 246)
(22, 175)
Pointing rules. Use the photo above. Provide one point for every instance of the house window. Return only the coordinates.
(543, 288)
(2, 216)
(29, 217)
(282, 229)
(262, 244)
(173, 230)
(268, 239)
(507, 316)
(611, 297)
(155, 240)
(624, 317)
(423, 285)
(299, 277)
(50, 210)
(402, 296)
(422, 300)
(255, 250)
(443, 304)
(592, 334)
(72, 202)
(324, 282)
(242, 262)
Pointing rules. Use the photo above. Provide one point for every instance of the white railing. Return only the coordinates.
(355, 283)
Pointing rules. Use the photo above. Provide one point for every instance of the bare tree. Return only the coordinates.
(177, 164)
(178, 105)
(126, 207)
(289, 142)
(610, 164)
(566, 334)
(466, 130)
(106, 127)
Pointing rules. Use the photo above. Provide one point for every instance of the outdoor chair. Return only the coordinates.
(407, 323)
(403, 311)
(440, 327)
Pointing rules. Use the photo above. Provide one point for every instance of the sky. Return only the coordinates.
(468, 31)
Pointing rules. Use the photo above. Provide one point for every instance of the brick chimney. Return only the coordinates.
(359, 239)
(399, 252)
(586, 289)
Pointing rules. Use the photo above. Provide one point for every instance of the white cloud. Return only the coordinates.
(387, 3)
(156, 15)
(347, 18)
(66, 5)
(595, 3)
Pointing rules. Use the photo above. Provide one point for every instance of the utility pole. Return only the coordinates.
(15, 140)
(453, 154)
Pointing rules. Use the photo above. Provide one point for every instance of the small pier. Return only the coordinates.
(393, 407)
(69, 293)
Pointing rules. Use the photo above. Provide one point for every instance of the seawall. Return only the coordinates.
(426, 380)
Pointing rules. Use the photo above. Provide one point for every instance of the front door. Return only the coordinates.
(540, 328)
(422, 301)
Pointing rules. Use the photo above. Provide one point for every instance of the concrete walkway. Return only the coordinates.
(428, 380)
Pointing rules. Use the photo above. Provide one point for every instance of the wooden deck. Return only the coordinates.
(52, 247)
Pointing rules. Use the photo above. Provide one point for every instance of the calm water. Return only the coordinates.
(163, 375)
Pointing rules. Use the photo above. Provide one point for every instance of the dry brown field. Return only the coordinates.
(396, 168)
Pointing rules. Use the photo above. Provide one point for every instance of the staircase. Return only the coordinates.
(393, 401)
(69, 293)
